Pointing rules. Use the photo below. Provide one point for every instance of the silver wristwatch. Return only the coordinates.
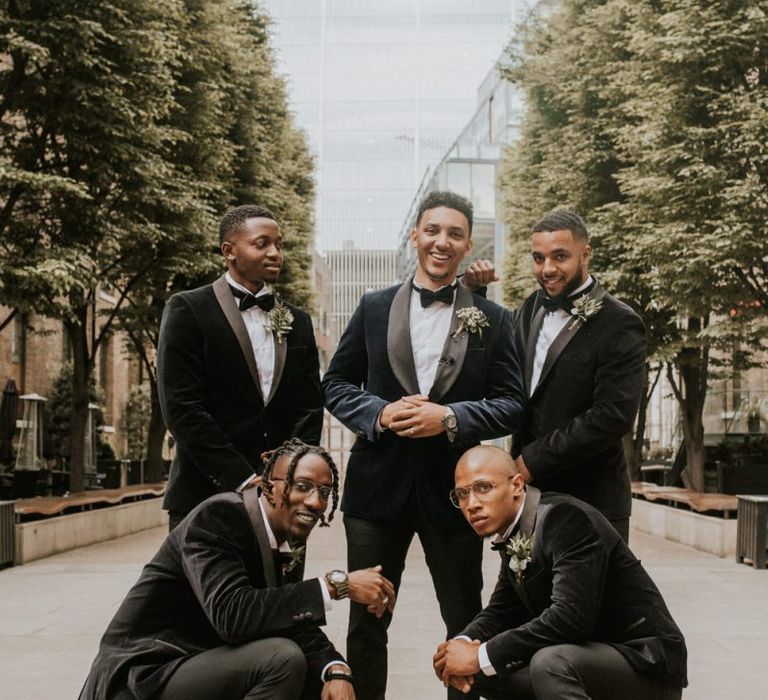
(450, 424)
(339, 581)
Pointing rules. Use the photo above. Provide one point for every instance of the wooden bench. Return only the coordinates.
(84, 500)
(694, 500)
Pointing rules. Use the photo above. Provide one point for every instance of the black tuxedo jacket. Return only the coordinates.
(582, 584)
(478, 376)
(213, 582)
(211, 396)
(586, 400)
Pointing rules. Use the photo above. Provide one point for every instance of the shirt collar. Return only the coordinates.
(582, 287)
(284, 547)
(264, 289)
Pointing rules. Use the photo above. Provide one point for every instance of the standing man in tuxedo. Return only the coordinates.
(422, 371)
(573, 615)
(584, 357)
(211, 616)
(237, 367)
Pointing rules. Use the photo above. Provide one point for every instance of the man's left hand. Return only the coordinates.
(420, 419)
(456, 657)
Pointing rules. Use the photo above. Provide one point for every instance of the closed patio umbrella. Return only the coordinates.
(8, 410)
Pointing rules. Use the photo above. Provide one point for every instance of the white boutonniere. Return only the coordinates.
(280, 321)
(586, 307)
(520, 550)
(472, 320)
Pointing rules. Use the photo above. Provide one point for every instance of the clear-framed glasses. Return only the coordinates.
(482, 488)
(307, 486)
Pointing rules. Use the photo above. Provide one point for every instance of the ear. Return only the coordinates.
(470, 243)
(414, 236)
(587, 253)
(518, 484)
(226, 250)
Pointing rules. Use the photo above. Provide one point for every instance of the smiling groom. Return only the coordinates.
(237, 368)
(423, 371)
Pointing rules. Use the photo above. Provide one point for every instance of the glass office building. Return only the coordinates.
(382, 89)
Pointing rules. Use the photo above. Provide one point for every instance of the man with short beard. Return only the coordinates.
(583, 357)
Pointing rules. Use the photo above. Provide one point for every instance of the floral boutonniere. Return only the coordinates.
(472, 320)
(587, 306)
(280, 320)
(294, 558)
(520, 550)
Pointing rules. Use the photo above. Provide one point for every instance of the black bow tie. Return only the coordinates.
(499, 545)
(444, 294)
(550, 305)
(266, 302)
(565, 303)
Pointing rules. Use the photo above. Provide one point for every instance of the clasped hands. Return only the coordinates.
(413, 417)
(456, 663)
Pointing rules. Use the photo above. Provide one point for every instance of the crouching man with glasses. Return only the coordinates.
(573, 615)
(211, 615)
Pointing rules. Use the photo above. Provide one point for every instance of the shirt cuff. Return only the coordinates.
(333, 663)
(327, 600)
(485, 663)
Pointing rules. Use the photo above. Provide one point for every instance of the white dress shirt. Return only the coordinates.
(429, 329)
(553, 323)
(262, 339)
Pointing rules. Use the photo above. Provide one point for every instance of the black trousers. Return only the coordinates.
(592, 671)
(267, 669)
(454, 559)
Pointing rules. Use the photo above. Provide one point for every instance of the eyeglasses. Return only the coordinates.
(307, 486)
(481, 488)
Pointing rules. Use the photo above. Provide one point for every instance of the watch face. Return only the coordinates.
(337, 576)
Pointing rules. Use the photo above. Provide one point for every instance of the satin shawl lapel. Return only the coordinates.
(530, 345)
(399, 349)
(235, 319)
(527, 523)
(454, 350)
(251, 500)
(281, 351)
(530, 508)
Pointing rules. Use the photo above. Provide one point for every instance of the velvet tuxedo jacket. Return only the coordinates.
(478, 377)
(213, 582)
(582, 584)
(586, 400)
(211, 396)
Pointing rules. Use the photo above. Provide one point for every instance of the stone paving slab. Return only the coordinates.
(53, 612)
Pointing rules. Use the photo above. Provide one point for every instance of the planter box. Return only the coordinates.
(703, 532)
(42, 538)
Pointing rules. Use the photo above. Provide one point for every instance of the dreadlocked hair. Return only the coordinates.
(299, 449)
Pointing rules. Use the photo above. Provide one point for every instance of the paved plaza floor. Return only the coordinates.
(53, 612)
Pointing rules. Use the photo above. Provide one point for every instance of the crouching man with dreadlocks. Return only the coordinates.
(210, 616)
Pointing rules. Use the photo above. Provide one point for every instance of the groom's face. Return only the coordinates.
(494, 490)
(255, 253)
(560, 261)
(442, 240)
(296, 515)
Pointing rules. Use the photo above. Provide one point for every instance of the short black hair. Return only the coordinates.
(298, 449)
(446, 199)
(232, 222)
(562, 220)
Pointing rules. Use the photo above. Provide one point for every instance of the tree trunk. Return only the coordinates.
(693, 365)
(633, 441)
(80, 399)
(153, 472)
